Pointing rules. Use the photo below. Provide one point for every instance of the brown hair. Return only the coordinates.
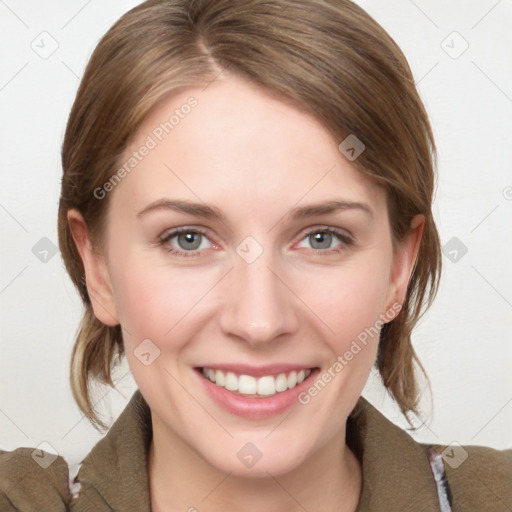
(328, 57)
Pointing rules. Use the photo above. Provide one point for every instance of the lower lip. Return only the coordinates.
(256, 408)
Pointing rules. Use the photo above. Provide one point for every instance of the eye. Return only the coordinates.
(185, 241)
(323, 239)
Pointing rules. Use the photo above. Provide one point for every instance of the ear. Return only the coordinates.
(97, 276)
(404, 260)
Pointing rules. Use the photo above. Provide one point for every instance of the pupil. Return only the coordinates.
(189, 240)
(323, 239)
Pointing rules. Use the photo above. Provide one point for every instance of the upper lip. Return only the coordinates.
(258, 371)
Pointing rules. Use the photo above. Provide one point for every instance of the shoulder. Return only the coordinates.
(112, 476)
(480, 478)
(32, 479)
(401, 473)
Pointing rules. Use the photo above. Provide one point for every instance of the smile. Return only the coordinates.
(248, 385)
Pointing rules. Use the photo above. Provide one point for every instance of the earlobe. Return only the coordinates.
(404, 261)
(97, 277)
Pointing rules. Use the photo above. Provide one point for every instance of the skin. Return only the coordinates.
(255, 157)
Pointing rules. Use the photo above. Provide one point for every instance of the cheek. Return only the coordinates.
(154, 301)
(348, 299)
(162, 305)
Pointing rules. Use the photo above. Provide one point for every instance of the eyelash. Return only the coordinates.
(345, 239)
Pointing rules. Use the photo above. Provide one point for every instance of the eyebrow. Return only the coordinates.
(212, 212)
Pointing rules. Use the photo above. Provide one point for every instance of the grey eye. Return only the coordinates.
(320, 240)
(189, 241)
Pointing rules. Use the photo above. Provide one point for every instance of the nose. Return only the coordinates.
(259, 306)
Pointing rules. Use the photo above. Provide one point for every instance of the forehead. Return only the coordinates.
(234, 143)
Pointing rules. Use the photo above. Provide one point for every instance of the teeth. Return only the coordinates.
(282, 382)
(266, 386)
(231, 382)
(248, 385)
(219, 378)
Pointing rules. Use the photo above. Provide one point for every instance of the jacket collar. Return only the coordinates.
(114, 473)
(396, 471)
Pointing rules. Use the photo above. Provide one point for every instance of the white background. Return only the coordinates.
(464, 341)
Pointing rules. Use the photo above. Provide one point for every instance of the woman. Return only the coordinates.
(246, 213)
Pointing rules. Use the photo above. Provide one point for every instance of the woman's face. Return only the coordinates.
(284, 262)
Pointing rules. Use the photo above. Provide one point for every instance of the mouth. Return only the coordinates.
(253, 386)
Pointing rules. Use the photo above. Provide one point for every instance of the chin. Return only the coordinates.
(250, 460)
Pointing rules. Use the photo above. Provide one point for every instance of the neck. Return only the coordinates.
(180, 479)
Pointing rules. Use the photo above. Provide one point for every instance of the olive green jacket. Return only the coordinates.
(399, 474)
